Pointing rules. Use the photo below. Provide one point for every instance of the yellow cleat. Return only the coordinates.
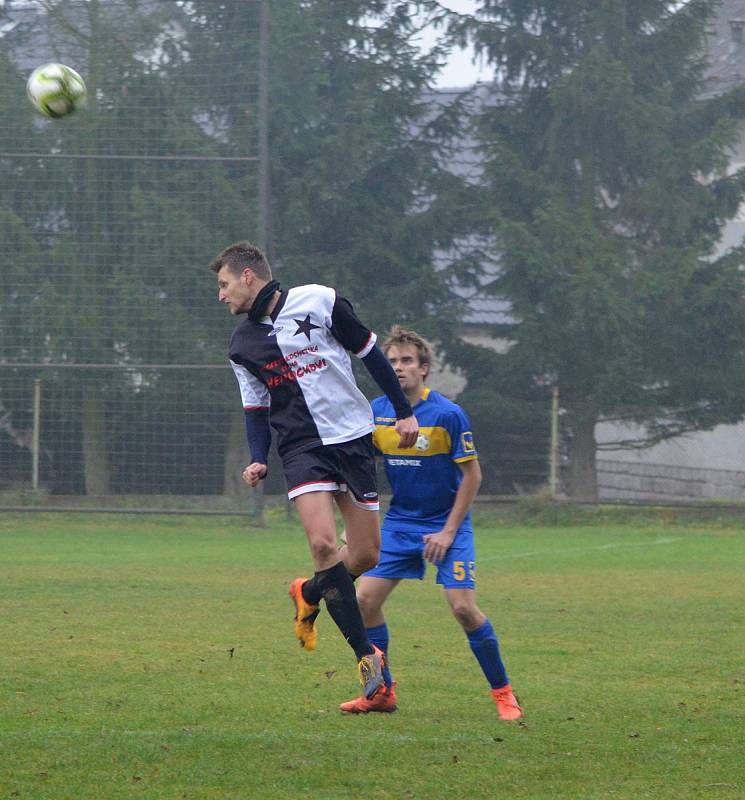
(305, 616)
(370, 669)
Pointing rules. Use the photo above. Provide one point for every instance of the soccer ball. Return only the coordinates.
(56, 90)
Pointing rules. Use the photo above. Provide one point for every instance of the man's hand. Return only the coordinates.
(408, 431)
(436, 546)
(254, 473)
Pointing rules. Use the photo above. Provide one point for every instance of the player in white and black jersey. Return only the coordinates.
(291, 357)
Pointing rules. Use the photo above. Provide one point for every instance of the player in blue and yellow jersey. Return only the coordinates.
(434, 484)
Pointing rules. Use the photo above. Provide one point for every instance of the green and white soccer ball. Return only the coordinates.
(56, 90)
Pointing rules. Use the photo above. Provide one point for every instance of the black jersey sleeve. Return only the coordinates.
(348, 330)
(383, 374)
(258, 434)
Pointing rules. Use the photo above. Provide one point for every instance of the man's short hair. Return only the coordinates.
(240, 256)
(399, 336)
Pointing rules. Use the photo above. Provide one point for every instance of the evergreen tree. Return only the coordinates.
(360, 196)
(20, 256)
(22, 275)
(362, 199)
(605, 189)
(125, 239)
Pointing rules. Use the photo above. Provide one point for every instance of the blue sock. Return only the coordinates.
(379, 637)
(485, 647)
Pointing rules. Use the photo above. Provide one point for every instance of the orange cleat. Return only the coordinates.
(370, 669)
(506, 703)
(305, 616)
(384, 700)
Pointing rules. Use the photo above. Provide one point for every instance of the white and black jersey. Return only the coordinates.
(296, 363)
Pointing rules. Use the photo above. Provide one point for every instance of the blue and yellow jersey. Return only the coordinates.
(424, 478)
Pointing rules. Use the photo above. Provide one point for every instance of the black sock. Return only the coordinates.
(311, 591)
(337, 590)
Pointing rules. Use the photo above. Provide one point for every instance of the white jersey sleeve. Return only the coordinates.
(254, 394)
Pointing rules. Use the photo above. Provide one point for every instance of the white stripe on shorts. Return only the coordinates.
(314, 486)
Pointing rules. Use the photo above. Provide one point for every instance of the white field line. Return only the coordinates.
(561, 551)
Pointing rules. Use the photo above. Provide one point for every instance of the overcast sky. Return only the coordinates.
(460, 71)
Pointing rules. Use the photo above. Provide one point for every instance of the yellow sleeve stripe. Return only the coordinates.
(466, 458)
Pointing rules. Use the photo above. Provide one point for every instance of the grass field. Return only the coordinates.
(154, 657)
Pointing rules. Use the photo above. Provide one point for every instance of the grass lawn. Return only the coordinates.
(154, 657)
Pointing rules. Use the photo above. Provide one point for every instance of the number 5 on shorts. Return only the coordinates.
(459, 570)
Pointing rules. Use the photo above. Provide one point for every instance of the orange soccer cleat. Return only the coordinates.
(506, 703)
(384, 700)
(305, 616)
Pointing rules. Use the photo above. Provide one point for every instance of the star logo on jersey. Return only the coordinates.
(304, 326)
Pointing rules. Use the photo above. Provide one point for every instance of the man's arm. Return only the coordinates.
(384, 375)
(259, 438)
(355, 337)
(256, 401)
(437, 544)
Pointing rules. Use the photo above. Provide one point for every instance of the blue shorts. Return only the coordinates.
(401, 557)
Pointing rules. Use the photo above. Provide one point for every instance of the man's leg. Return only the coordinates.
(362, 528)
(371, 594)
(485, 647)
(362, 554)
(316, 512)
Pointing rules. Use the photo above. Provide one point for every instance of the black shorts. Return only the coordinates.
(349, 466)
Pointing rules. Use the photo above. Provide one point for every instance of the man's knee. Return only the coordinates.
(363, 561)
(466, 612)
(322, 549)
(369, 605)
(363, 555)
